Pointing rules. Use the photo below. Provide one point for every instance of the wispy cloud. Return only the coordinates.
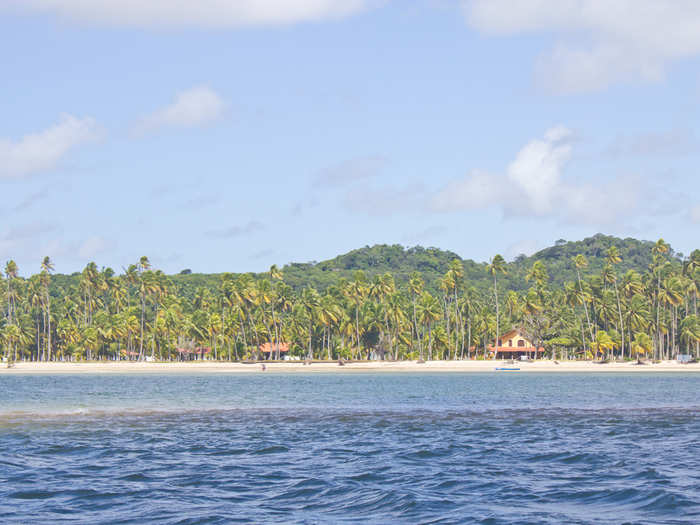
(202, 13)
(32, 199)
(524, 247)
(42, 151)
(695, 214)
(681, 141)
(428, 234)
(93, 246)
(28, 231)
(237, 231)
(386, 200)
(599, 43)
(194, 107)
(350, 171)
(263, 254)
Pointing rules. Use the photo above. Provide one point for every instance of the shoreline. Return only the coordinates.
(297, 367)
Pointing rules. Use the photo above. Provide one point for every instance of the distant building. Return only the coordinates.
(190, 353)
(271, 348)
(513, 345)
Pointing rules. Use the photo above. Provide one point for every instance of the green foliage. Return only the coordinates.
(602, 296)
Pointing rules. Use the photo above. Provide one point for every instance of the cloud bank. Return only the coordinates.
(597, 43)
(42, 151)
(189, 13)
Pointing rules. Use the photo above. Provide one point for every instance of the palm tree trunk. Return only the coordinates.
(585, 306)
(498, 327)
(622, 326)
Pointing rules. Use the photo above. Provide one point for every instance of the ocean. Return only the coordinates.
(491, 448)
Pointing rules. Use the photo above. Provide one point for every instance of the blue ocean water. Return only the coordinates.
(350, 448)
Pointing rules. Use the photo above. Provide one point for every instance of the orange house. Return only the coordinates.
(513, 345)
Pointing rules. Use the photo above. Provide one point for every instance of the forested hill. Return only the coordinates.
(433, 263)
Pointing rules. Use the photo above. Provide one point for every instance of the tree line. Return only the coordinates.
(143, 314)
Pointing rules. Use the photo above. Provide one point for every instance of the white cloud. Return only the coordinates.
(43, 150)
(537, 169)
(530, 186)
(193, 13)
(599, 43)
(193, 107)
(534, 185)
(476, 191)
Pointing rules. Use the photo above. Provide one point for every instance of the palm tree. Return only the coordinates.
(613, 258)
(416, 285)
(498, 265)
(429, 312)
(356, 291)
(641, 345)
(659, 251)
(690, 330)
(580, 262)
(309, 301)
(46, 270)
(11, 272)
(602, 343)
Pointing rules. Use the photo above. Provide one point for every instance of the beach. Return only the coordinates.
(296, 367)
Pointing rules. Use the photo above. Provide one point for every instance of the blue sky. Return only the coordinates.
(225, 137)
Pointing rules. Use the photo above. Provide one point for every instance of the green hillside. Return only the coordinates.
(432, 263)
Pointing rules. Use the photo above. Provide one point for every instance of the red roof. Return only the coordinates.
(268, 347)
(516, 349)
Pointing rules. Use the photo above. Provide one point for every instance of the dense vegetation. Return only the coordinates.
(602, 296)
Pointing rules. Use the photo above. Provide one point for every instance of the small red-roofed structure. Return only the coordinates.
(271, 348)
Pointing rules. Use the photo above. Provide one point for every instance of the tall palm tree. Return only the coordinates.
(309, 301)
(143, 265)
(580, 262)
(47, 268)
(659, 251)
(415, 286)
(429, 313)
(613, 258)
(497, 266)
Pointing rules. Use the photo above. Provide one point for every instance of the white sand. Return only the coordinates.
(330, 367)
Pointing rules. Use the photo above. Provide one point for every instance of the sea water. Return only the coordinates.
(350, 448)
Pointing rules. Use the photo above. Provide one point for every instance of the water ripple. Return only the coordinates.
(369, 463)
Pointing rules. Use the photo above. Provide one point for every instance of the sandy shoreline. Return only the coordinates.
(332, 367)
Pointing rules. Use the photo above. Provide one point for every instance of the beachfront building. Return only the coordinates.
(269, 350)
(513, 345)
(190, 353)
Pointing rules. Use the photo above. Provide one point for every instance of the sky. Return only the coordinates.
(232, 135)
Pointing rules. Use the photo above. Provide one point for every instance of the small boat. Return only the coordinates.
(505, 368)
